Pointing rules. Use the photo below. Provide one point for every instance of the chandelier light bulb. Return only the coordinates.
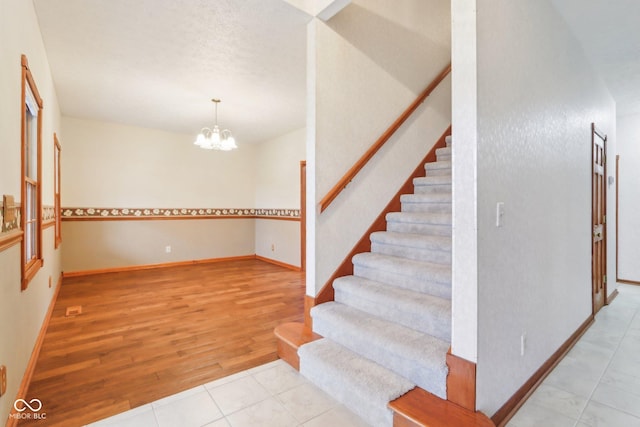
(215, 139)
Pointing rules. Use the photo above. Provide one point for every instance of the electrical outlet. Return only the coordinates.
(273, 247)
(167, 249)
(523, 343)
(3, 380)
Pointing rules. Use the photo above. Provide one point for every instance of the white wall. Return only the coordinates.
(277, 180)
(464, 93)
(367, 64)
(22, 313)
(628, 145)
(537, 96)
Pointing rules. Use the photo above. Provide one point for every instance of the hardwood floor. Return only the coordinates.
(148, 334)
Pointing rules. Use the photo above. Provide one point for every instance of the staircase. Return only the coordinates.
(389, 328)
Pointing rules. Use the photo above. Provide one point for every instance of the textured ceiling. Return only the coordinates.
(609, 31)
(158, 63)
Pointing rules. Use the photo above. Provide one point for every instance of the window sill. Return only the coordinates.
(30, 271)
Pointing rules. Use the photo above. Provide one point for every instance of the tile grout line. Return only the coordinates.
(615, 352)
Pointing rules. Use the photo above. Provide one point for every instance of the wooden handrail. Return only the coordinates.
(353, 171)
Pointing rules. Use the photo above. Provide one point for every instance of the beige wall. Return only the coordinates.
(22, 313)
(366, 65)
(278, 186)
(113, 165)
(95, 245)
(108, 165)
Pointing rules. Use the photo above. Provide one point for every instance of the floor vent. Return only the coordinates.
(73, 311)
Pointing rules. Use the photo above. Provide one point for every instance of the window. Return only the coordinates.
(57, 151)
(31, 218)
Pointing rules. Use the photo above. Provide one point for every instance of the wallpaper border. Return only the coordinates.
(111, 214)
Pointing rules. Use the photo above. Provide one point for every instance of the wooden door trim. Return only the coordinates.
(595, 210)
(303, 215)
(617, 208)
(618, 278)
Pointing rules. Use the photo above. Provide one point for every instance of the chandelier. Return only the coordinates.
(215, 139)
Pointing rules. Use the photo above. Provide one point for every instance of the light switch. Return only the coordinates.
(499, 213)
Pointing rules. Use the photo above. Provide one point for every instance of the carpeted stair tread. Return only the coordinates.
(420, 247)
(359, 383)
(428, 202)
(420, 218)
(432, 180)
(445, 151)
(432, 184)
(419, 276)
(426, 198)
(419, 357)
(422, 312)
(418, 241)
(445, 164)
(443, 154)
(448, 140)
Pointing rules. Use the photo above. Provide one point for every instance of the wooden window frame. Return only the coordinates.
(31, 224)
(57, 154)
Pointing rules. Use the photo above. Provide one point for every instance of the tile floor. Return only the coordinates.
(271, 395)
(596, 385)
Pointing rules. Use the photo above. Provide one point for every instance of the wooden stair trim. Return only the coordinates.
(345, 268)
(290, 336)
(362, 161)
(418, 407)
(461, 381)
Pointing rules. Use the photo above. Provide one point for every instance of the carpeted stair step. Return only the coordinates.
(443, 153)
(448, 140)
(432, 202)
(438, 168)
(419, 357)
(437, 224)
(419, 276)
(420, 247)
(425, 313)
(363, 386)
(432, 184)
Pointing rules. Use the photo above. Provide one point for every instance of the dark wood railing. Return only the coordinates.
(362, 161)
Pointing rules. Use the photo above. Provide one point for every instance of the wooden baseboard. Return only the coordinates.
(611, 297)
(461, 382)
(508, 410)
(31, 366)
(629, 282)
(153, 266)
(278, 263)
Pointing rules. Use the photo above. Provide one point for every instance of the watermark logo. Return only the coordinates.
(34, 405)
(25, 405)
